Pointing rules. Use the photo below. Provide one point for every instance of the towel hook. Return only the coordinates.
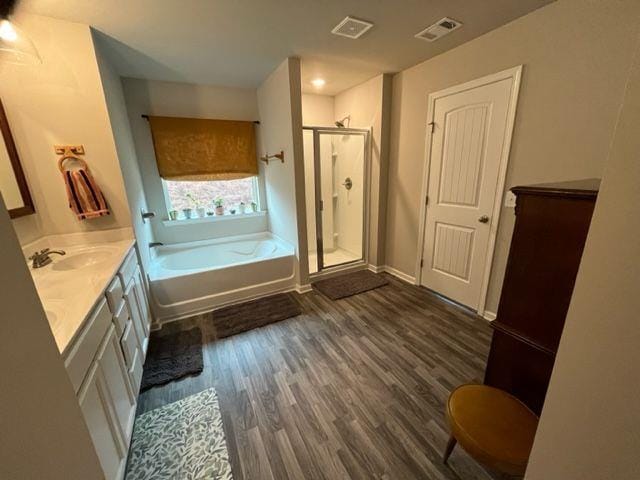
(266, 158)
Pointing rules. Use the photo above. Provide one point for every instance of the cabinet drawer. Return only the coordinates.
(128, 268)
(129, 343)
(114, 295)
(135, 372)
(120, 318)
(86, 345)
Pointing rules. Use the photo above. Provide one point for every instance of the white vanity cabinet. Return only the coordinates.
(105, 365)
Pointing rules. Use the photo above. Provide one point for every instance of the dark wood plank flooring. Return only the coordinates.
(353, 388)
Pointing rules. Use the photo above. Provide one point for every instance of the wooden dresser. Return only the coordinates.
(552, 221)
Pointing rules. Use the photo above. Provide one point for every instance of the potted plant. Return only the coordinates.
(254, 207)
(186, 212)
(200, 210)
(241, 208)
(173, 214)
(219, 204)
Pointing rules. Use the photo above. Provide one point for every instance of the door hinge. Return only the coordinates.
(321, 205)
(432, 125)
(421, 262)
(426, 200)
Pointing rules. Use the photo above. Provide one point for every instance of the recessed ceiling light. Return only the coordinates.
(318, 82)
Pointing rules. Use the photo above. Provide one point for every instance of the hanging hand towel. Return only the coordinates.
(85, 197)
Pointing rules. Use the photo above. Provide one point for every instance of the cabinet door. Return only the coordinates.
(113, 368)
(94, 403)
(143, 301)
(131, 300)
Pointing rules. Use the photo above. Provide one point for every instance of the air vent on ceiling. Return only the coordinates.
(439, 29)
(351, 28)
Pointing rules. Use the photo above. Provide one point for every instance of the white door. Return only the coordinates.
(466, 173)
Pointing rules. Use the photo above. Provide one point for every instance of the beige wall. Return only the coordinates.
(43, 432)
(575, 58)
(125, 148)
(61, 101)
(147, 97)
(591, 417)
(280, 109)
(317, 110)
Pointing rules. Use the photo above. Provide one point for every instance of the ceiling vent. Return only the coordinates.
(351, 28)
(439, 29)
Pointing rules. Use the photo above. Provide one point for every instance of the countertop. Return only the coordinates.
(72, 284)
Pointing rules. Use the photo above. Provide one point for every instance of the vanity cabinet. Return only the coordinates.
(105, 365)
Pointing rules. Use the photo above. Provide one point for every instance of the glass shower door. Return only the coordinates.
(340, 164)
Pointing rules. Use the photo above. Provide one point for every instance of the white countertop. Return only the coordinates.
(72, 284)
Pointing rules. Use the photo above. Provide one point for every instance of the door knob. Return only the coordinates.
(484, 219)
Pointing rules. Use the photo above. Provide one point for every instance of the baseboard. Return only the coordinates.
(303, 288)
(491, 316)
(401, 275)
(376, 268)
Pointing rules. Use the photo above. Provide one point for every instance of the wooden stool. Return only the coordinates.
(492, 426)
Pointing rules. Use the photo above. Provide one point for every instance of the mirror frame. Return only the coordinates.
(28, 208)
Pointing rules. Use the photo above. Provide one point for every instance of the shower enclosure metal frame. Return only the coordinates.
(317, 180)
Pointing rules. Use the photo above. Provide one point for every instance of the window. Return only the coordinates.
(181, 195)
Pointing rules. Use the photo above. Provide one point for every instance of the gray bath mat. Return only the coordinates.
(349, 284)
(172, 356)
(253, 314)
(183, 440)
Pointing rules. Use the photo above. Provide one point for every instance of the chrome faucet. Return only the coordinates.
(42, 258)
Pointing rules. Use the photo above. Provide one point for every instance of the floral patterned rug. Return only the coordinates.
(180, 441)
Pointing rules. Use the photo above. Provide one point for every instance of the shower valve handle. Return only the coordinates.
(348, 184)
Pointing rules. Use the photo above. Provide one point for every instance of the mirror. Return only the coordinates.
(13, 184)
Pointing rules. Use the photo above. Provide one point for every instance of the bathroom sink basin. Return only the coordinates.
(79, 260)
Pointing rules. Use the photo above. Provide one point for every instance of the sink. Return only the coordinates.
(84, 259)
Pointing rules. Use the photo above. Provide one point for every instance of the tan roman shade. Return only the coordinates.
(199, 149)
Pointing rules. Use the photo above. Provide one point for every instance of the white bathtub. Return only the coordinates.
(190, 278)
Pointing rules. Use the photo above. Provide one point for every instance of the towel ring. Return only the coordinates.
(71, 157)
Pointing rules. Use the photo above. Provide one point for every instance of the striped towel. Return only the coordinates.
(85, 197)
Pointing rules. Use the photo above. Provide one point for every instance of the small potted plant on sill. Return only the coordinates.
(241, 208)
(187, 213)
(200, 210)
(173, 215)
(219, 204)
(254, 207)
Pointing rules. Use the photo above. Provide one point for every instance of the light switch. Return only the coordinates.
(510, 199)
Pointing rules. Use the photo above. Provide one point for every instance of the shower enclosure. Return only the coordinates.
(336, 169)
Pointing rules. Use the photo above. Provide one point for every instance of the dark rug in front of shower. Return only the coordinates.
(349, 284)
(172, 356)
(253, 314)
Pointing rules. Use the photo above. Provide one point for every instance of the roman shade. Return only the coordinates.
(201, 149)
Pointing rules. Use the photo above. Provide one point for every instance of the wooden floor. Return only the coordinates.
(353, 388)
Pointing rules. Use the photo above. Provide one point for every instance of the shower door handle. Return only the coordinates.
(348, 184)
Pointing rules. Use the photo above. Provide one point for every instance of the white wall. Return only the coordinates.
(591, 416)
(280, 108)
(61, 101)
(145, 97)
(43, 432)
(125, 148)
(575, 60)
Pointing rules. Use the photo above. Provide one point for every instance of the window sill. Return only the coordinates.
(212, 219)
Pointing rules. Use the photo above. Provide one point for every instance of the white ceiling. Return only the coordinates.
(239, 42)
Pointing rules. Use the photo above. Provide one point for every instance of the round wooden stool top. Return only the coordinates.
(493, 426)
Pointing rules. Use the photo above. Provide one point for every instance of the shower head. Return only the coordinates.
(341, 123)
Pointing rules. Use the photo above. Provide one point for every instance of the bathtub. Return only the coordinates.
(190, 278)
